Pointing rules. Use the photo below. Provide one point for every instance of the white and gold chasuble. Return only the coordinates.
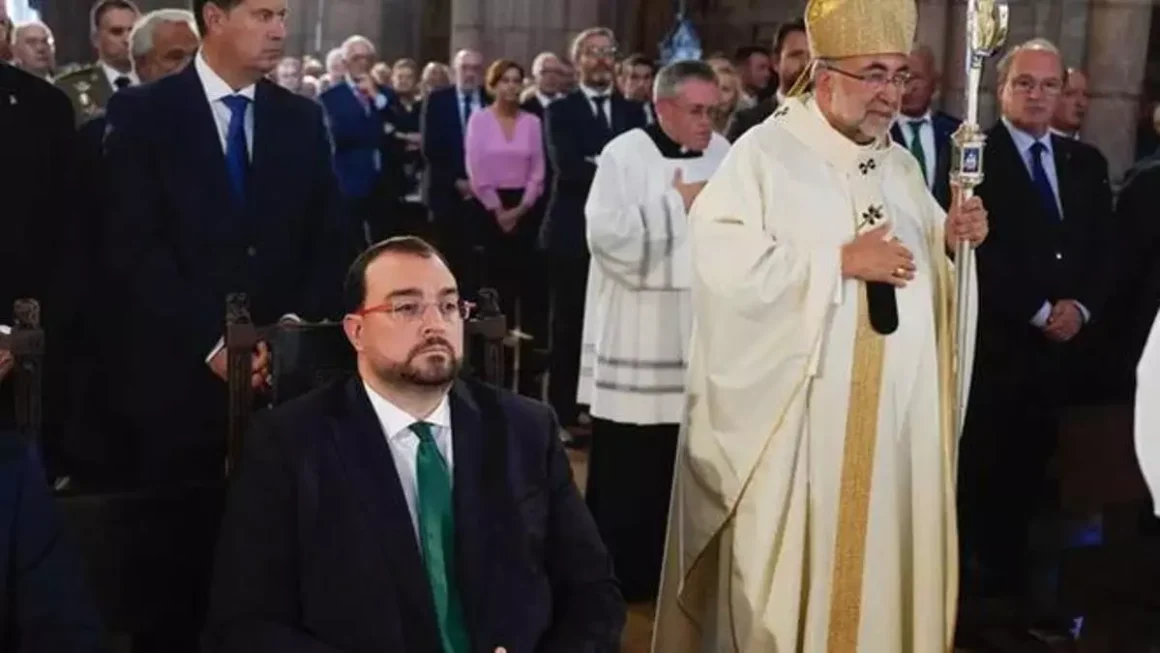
(813, 509)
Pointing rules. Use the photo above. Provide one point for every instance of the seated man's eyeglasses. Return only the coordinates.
(413, 310)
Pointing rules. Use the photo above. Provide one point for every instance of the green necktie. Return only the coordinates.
(437, 537)
(916, 146)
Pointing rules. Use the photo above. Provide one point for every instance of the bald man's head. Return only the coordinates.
(924, 79)
(468, 66)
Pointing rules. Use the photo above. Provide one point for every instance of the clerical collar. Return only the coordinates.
(669, 148)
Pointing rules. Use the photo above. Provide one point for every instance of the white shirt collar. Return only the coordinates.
(590, 92)
(112, 74)
(215, 87)
(1024, 141)
(903, 119)
(545, 99)
(397, 422)
(1063, 134)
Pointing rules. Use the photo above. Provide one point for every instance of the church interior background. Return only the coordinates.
(1116, 41)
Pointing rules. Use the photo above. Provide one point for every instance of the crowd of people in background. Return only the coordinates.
(194, 158)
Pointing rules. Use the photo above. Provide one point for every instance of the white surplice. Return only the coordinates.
(638, 315)
(1147, 422)
(751, 550)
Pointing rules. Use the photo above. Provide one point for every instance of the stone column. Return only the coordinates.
(1118, 33)
(520, 29)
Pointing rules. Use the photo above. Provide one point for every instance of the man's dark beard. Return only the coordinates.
(432, 373)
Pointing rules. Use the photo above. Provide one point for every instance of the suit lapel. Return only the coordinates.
(471, 510)
(367, 458)
(896, 134)
(1062, 150)
(201, 141)
(619, 108)
(263, 178)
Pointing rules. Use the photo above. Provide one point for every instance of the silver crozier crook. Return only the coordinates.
(986, 32)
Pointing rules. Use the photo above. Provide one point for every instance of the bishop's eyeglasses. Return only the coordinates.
(414, 310)
(875, 79)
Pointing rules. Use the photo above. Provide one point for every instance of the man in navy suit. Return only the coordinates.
(1045, 274)
(446, 191)
(219, 181)
(927, 134)
(578, 126)
(356, 110)
(44, 605)
(405, 510)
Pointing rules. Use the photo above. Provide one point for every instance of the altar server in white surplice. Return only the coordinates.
(1147, 422)
(638, 316)
(813, 509)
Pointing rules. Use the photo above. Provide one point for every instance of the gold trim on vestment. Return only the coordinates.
(944, 311)
(857, 476)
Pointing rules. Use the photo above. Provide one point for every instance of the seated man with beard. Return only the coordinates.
(406, 510)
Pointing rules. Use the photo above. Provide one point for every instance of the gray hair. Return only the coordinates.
(141, 38)
(353, 41)
(1034, 45)
(20, 28)
(334, 55)
(540, 61)
(582, 38)
(668, 82)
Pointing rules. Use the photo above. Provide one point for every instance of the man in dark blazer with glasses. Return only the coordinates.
(406, 509)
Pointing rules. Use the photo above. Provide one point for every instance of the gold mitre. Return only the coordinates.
(854, 28)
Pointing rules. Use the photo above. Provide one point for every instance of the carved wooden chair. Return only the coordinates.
(305, 356)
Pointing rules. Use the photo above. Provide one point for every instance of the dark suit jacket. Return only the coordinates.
(532, 105)
(318, 552)
(37, 216)
(1117, 340)
(944, 127)
(44, 605)
(575, 138)
(176, 242)
(358, 136)
(747, 119)
(441, 125)
(1030, 257)
(37, 131)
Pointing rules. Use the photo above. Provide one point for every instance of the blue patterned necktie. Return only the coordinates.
(1041, 182)
(237, 151)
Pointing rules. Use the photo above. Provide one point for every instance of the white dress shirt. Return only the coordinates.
(216, 88)
(925, 136)
(112, 74)
(545, 100)
(404, 443)
(590, 93)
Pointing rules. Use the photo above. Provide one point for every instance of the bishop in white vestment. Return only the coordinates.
(813, 508)
(638, 317)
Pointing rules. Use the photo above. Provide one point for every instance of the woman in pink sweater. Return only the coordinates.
(505, 164)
